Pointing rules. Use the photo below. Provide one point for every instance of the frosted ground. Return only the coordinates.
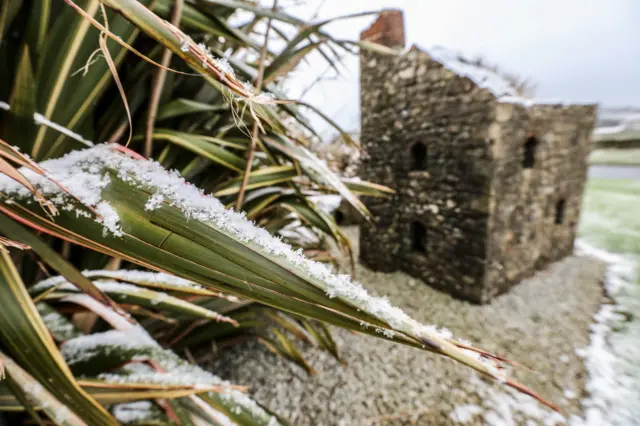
(547, 323)
(611, 222)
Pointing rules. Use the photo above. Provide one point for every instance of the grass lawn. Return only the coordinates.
(618, 157)
(611, 215)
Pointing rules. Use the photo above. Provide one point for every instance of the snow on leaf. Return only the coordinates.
(85, 174)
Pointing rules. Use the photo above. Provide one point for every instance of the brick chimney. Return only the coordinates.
(388, 29)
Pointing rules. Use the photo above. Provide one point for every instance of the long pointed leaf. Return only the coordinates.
(25, 334)
(57, 411)
(19, 233)
(202, 147)
(193, 236)
(19, 126)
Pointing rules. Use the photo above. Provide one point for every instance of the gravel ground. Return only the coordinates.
(543, 323)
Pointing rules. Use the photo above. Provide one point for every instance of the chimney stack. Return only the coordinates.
(387, 30)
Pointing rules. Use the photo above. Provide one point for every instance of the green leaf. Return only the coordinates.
(259, 11)
(18, 127)
(28, 387)
(151, 280)
(65, 44)
(346, 136)
(312, 215)
(38, 26)
(70, 42)
(60, 327)
(131, 294)
(369, 189)
(28, 339)
(204, 146)
(283, 346)
(107, 393)
(106, 354)
(317, 170)
(287, 61)
(265, 176)
(181, 106)
(323, 338)
(209, 24)
(8, 11)
(17, 232)
(21, 396)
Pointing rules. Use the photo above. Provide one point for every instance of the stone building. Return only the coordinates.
(488, 184)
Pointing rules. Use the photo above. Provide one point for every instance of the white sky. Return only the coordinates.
(583, 50)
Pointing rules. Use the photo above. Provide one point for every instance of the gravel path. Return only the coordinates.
(542, 323)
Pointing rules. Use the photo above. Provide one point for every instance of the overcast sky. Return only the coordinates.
(584, 50)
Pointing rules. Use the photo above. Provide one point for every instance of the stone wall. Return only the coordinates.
(468, 216)
(411, 100)
(534, 210)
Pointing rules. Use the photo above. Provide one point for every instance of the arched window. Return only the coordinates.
(418, 237)
(560, 205)
(529, 159)
(418, 156)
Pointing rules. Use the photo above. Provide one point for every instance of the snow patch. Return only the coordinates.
(83, 348)
(110, 219)
(609, 394)
(133, 411)
(504, 407)
(142, 277)
(44, 121)
(465, 413)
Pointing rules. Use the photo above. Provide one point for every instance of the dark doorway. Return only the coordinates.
(418, 237)
(339, 217)
(529, 159)
(560, 205)
(418, 156)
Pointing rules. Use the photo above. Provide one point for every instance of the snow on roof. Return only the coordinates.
(500, 86)
(482, 76)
